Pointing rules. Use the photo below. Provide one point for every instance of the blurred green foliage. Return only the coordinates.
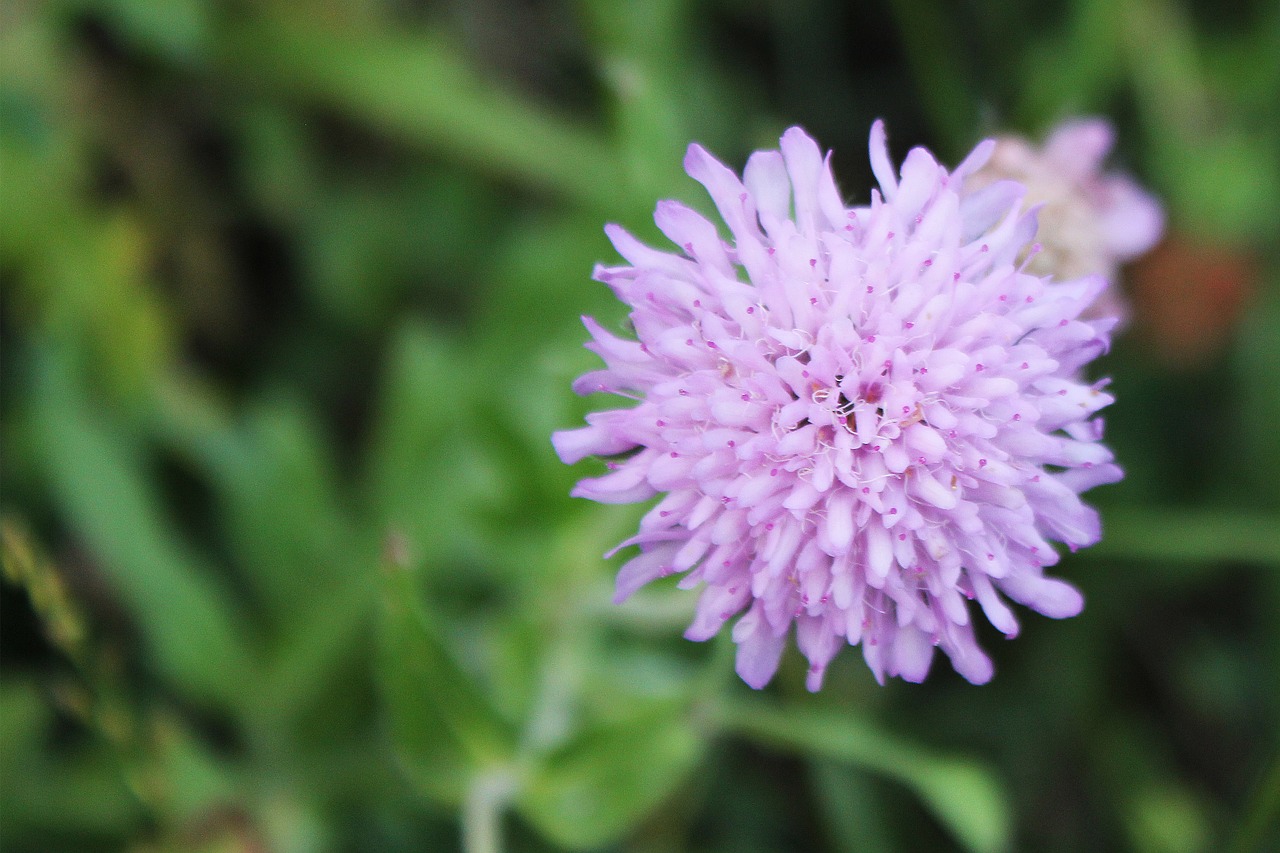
(290, 309)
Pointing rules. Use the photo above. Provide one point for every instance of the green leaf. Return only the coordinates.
(176, 30)
(1203, 536)
(443, 728)
(62, 789)
(943, 80)
(646, 64)
(962, 794)
(275, 480)
(852, 812)
(451, 107)
(596, 787)
(419, 404)
(1075, 71)
(1257, 354)
(191, 630)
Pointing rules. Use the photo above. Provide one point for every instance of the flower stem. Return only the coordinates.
(482, 812)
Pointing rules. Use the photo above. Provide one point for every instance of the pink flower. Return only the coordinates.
(1092, 221)
(859, 418)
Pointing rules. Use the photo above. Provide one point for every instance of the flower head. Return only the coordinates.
(1092, 221)
(860, 418)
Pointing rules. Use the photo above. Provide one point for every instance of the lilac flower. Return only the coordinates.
(1092, 222)
(860, 417)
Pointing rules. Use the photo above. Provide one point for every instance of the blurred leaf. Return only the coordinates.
(450, 106)
(24, 717)
(412, 477)
(185, 775)
(277, 484)
(1259, 829)
(1257, 354)
(320, 640)
(443, 728)
(1191, 536)
(1167, 818)
(961, 793)
(1073, 72)
(48, 791)
(943, 81)
(852, 813)
(191, 630)
(645, 61)
(1161, 813)
(532, 320)
(176, 29)
(1220, 177)
(601, 783)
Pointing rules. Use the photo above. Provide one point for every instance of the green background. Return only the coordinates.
(290, 309)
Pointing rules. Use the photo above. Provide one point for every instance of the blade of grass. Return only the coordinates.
(447, 104)
(185, 615)
(963, 795)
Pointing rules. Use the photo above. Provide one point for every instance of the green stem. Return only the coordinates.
(482, 812)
